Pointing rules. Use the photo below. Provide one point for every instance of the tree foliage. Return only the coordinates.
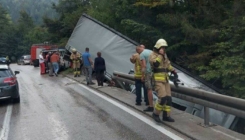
(6, 33)
(36, 9)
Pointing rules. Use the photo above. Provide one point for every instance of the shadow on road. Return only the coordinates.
(5, 103)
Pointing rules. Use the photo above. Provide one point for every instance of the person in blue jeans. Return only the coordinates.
(88, 63)
(55, 59)
(135, 59)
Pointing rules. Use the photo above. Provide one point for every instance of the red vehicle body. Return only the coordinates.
(35, 51)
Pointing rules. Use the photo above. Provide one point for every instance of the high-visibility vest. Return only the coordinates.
(137, 69)
(160, 73)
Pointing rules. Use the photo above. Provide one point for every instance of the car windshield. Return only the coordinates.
(27, 56)
(2, 58)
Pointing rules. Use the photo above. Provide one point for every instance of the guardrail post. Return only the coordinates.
(120, 84)
(206, 116)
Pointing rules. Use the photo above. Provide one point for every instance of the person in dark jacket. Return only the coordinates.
(99, 68)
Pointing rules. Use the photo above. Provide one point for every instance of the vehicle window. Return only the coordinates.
(4, 73)
(62, 53)
(11, 72)
(2, 58)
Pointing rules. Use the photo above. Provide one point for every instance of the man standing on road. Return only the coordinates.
(41, 63)
(146, 73)
(88, 63)
(55, 62)
(135, 59)
(99, 68)
(161, 66)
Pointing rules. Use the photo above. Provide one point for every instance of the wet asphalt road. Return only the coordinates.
(57, 108)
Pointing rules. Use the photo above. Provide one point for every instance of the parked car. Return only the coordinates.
(24, 59)
(4, 60)
(9, 87)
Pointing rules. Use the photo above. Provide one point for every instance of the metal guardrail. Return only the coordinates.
(227, 104)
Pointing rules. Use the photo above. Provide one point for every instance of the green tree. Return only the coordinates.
(24, 26)
(61, 28)
(35, 9)
(6, 34)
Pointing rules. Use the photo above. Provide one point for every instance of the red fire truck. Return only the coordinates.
(36, 49)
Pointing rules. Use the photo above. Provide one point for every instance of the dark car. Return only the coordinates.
(24, 59)
(9, 87)
(4, 60)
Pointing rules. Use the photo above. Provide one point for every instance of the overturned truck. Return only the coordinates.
(116, 49)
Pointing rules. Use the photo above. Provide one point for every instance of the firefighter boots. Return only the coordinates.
(167, 118)
(156, 117)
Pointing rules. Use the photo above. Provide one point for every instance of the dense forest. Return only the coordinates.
(204, 36)
(34, 8)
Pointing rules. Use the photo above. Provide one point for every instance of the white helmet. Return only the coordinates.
(160, 43)
(73, 50)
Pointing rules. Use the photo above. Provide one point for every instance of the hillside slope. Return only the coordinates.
(35, 8)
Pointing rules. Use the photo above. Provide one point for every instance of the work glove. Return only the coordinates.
(175, 74)
(175, 78)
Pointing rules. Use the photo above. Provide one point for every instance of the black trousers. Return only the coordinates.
(100, 77)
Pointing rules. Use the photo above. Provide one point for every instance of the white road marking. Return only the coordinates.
(6, 123)
(225, 134)
(137, 115)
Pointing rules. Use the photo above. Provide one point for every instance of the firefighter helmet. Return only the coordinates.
(73, 50)
(160, 43)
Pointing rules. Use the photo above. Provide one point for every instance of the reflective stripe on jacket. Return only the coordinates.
(160, 72)
(137, 69)
(137, 66)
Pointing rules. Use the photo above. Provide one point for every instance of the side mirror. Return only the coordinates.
(16, 72)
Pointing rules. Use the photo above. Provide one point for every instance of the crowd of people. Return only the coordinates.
(51, 61)
(80, 64)
(151, 73)
(85, 63)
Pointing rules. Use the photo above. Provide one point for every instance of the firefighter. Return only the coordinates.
(75, 57)
(160, 67)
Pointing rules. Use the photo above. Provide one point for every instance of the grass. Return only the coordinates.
(67, 71)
